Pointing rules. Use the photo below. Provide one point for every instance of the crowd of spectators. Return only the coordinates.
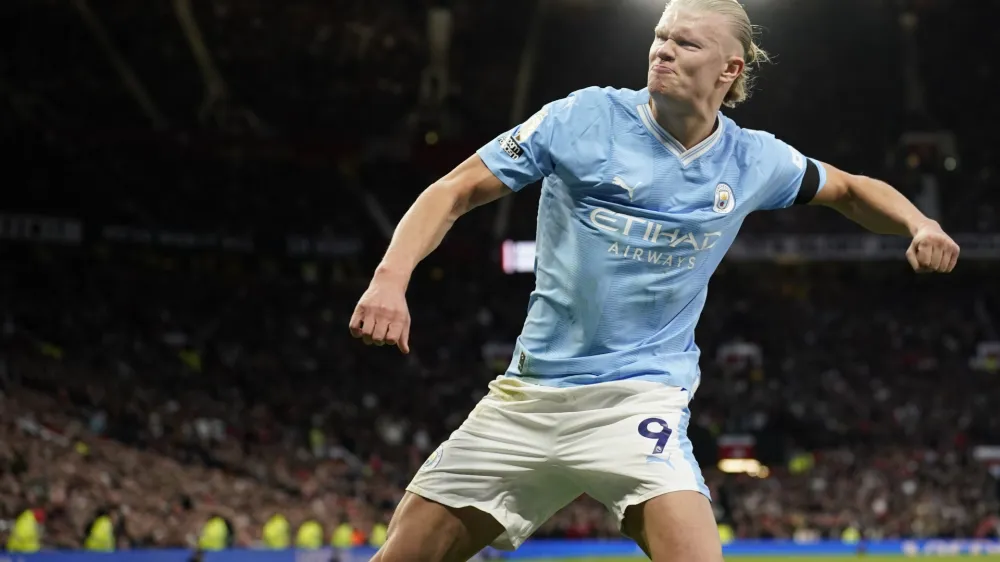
(172, 390)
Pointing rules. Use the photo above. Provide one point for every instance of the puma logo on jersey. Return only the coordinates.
(621, 183)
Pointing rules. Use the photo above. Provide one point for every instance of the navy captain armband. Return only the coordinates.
(810, 184)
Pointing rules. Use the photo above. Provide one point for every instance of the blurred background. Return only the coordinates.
(196, 193)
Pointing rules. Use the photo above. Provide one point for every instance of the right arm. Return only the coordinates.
(507, 163)
(382, 315)
(431, 216)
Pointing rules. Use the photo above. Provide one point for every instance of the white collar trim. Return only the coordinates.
(672, 144)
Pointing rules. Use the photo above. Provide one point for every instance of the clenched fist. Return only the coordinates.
(381, 316)
(932, 251)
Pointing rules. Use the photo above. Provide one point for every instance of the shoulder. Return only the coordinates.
(588, 101)
(772, 167)
(754, 146)
(598, 100)
(585, 110)
(603, 95)
(749, 140)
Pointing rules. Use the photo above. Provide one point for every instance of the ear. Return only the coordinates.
(734, 68)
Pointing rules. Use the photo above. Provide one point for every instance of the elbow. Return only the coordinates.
(463, 195)
(470, 185)
(851, 198)
(452, 195)
(847, 197)
(855, 184)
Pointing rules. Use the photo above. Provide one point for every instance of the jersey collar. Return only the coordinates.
(672, 144)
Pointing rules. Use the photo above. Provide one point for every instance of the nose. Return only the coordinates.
(667, 51)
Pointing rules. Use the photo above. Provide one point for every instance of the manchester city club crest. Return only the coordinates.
(433, 460)
(724, 200)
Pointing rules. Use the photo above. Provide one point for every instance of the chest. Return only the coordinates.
(639, 178)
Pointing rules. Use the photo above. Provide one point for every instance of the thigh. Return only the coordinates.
(422, 530)
(675, 527)
(499, 462)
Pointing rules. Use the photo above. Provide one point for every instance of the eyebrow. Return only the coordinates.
(687, 32)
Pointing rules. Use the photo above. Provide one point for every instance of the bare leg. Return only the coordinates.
(425, 531)
(675, 527)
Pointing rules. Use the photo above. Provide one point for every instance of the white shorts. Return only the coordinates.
(526, 451)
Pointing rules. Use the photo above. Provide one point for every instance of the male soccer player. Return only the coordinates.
(642, 194)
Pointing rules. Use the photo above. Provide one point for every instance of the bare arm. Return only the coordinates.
(382, 316)
(431, 216)
(878, 207)
(872, 203)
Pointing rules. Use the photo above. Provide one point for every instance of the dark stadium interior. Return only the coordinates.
(196, 194)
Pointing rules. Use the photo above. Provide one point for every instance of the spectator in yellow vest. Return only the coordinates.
(343, 535)
(277, 532)
(215, 535)
(309, 536)
(851, 535)
(101, 533)
(378, 535)
(726, 533)
(25, 536)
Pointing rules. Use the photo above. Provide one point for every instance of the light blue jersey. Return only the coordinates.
(630, 228)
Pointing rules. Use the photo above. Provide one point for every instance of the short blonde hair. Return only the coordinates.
(753, 55)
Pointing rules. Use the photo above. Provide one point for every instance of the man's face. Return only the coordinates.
(690, 55)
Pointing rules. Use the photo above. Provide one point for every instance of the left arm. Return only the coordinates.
(878, 207)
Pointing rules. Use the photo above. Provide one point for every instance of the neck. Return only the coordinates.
(689, 125)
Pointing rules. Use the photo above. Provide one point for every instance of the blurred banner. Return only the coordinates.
(73, 232)
(177, 238)
(34, 228)
(849, 247)
(543, 549)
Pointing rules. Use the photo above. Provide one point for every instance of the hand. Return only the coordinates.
(381, 316)
(932, 250)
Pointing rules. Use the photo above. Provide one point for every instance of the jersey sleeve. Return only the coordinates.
(789, 177)
(537, 147)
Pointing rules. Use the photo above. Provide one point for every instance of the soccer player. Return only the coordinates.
(643, 193)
